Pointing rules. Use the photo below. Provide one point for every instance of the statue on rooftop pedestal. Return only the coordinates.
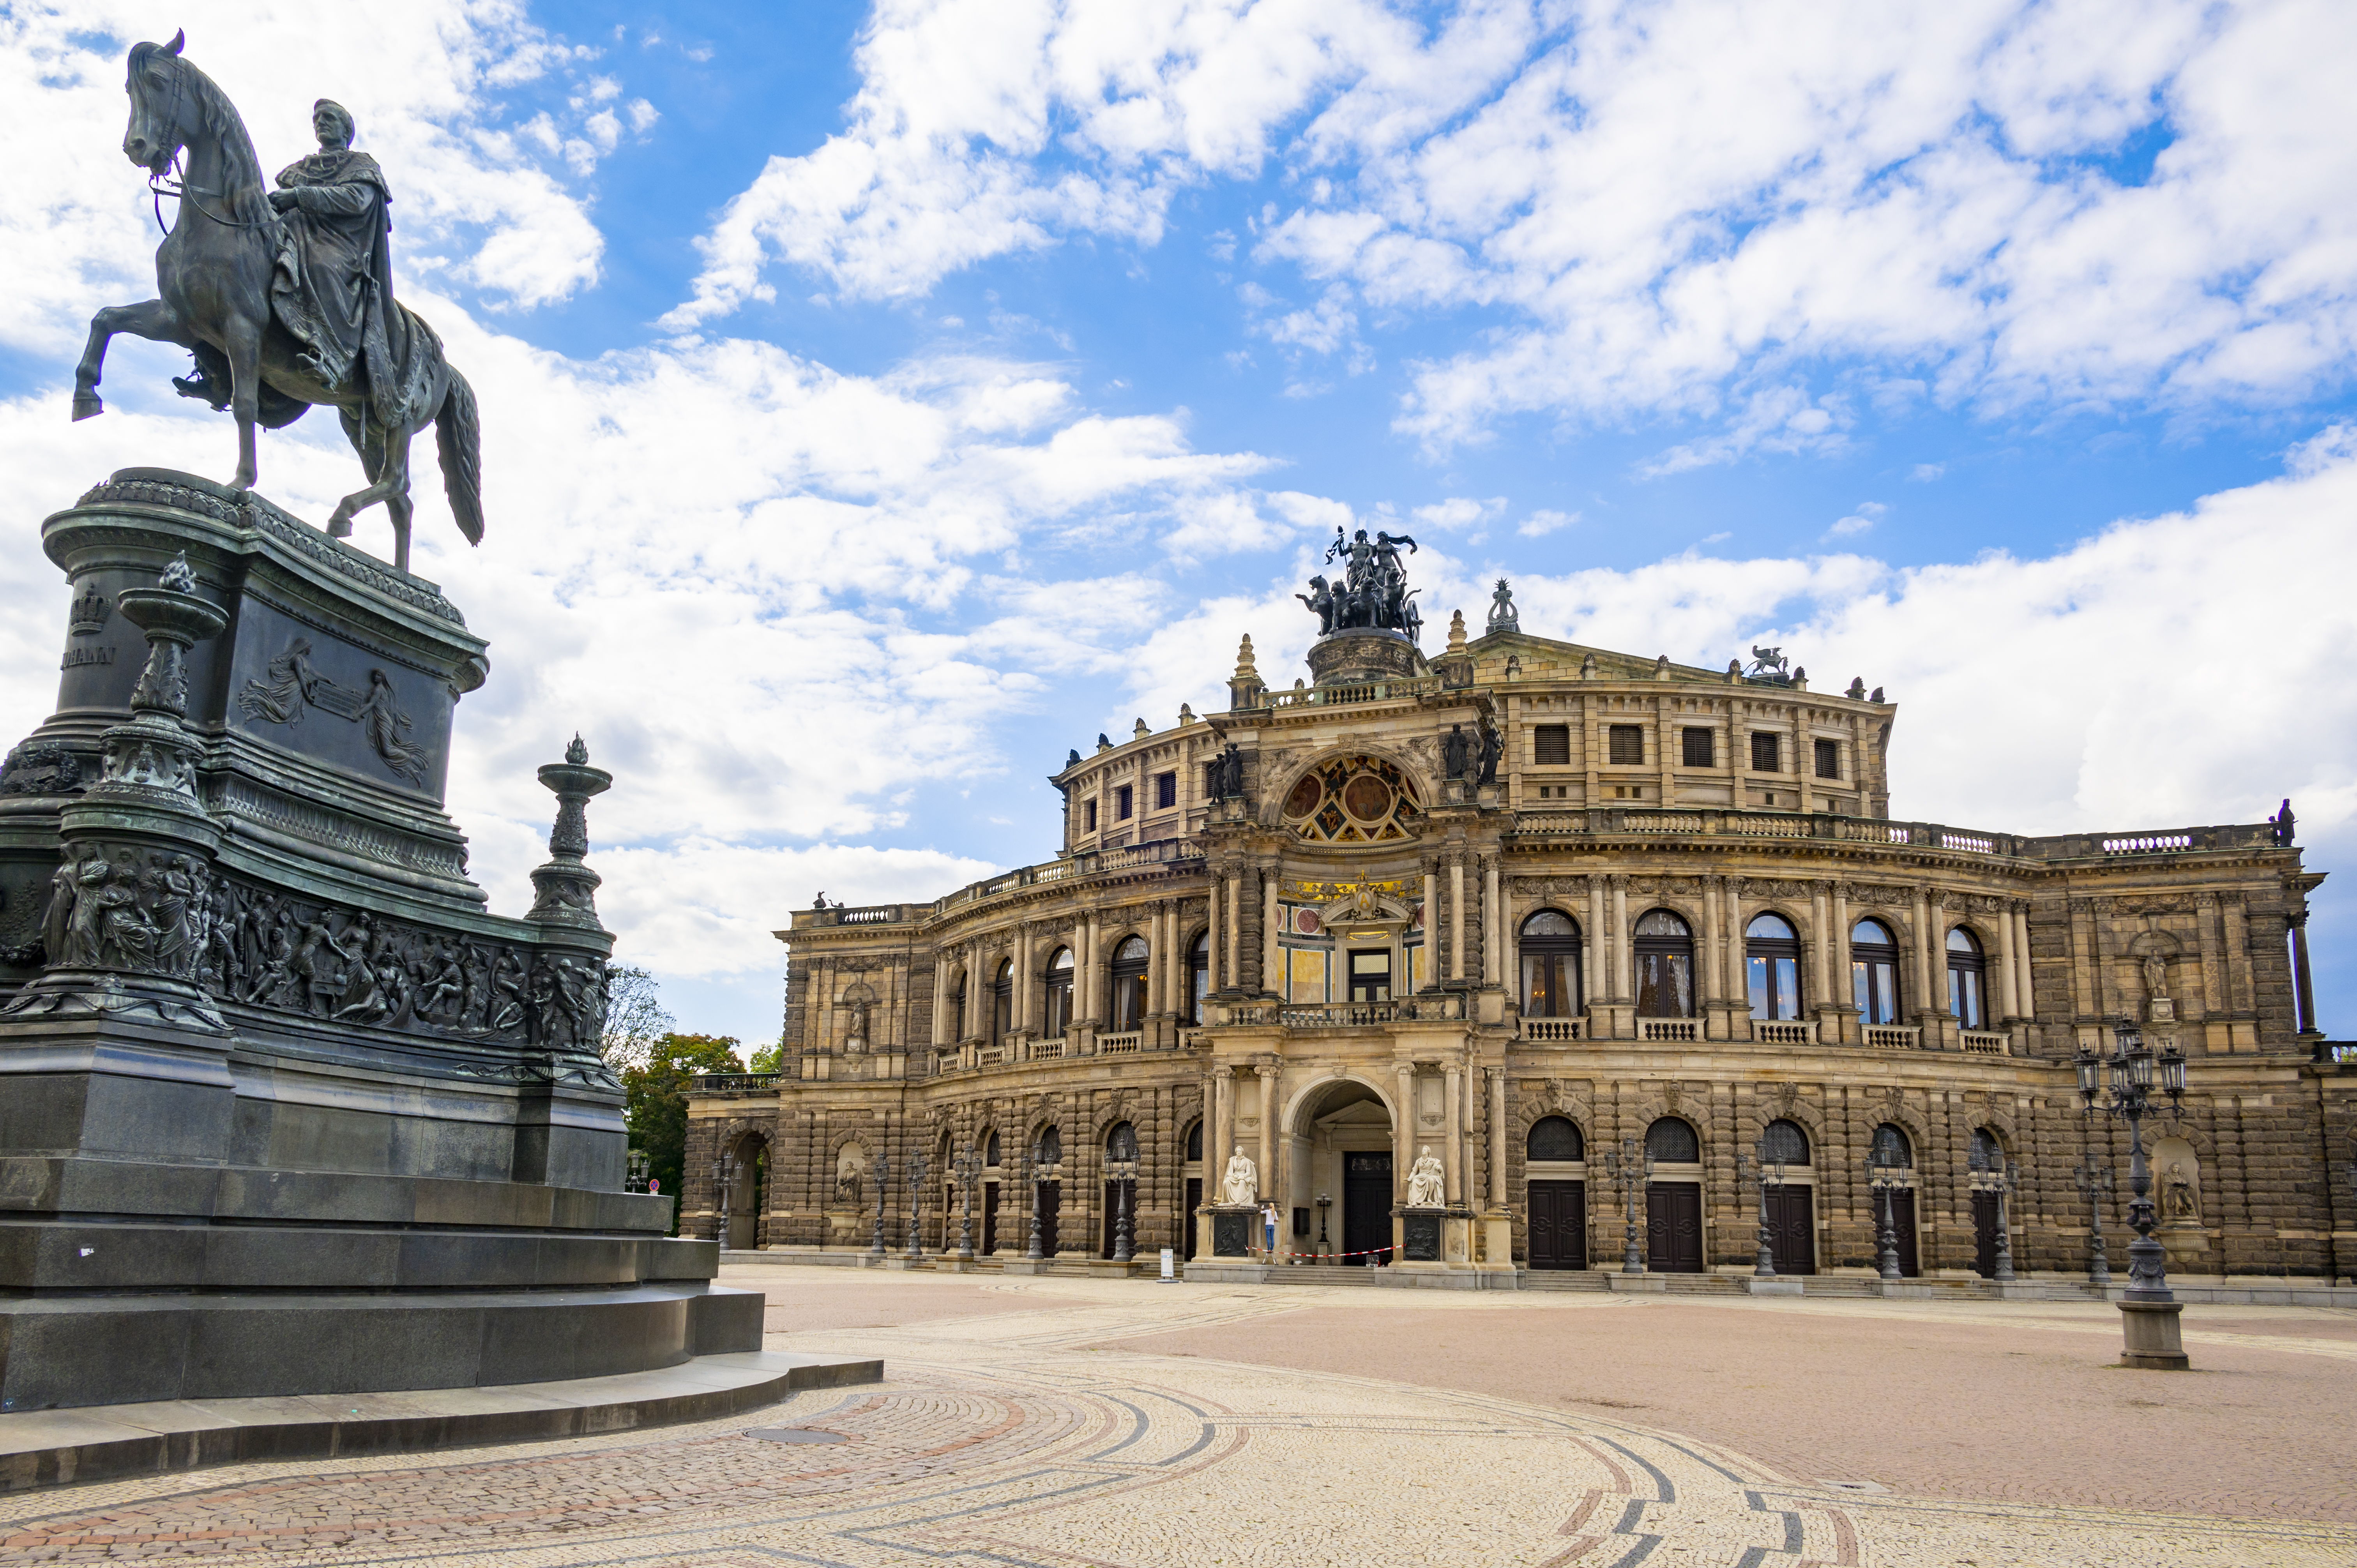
(1373, 594)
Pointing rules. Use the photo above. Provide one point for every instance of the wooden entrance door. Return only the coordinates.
(1984, 1234)
(1187, 1221)
(1051, 1198)
(1902, 1231)
(1366, 1204)
(1792, 1229)
(1117, 1192)
(989, 1217)
(1673, 1227)
(1558, 1224)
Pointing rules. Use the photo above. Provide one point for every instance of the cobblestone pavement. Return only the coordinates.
(1031, 1430)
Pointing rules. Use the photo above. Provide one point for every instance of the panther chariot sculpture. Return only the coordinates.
(1374, 592)
(284, 294)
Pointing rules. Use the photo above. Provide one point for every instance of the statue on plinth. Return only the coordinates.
(1240, 1184)
(1426, 1182)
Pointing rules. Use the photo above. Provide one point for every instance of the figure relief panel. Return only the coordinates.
(1354, 800)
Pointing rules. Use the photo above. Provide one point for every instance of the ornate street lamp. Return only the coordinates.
(2094, 1185)
(2148, 1310)
(1882, 1168)
(1121, 1165)
(1769, 1174)
(968, 1170)
(1996, 1176)
(1043, 1170)
(916, 1206)
(883, 1168)
(1325, 1202)
(636, 1179)
(1631, 1173)
(724, 1175)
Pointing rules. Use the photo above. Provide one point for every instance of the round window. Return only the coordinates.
(1367, 798)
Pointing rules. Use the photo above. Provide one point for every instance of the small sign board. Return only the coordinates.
(1169, 1264)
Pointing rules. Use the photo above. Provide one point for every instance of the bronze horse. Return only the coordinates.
(214, 272)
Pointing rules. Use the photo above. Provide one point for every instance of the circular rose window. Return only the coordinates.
(1352, 800)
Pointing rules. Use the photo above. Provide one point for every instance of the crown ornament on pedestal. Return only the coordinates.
(88, 616)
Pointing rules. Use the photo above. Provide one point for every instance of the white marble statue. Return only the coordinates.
(1426, 1187)
(1241, 1184)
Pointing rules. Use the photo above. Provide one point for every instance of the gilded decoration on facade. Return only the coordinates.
(1352, 800)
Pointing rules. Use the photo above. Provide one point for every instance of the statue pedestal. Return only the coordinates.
(289, 1112)
(2152, 1337)
(1235, 1230)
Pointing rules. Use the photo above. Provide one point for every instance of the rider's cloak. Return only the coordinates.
(332, 286)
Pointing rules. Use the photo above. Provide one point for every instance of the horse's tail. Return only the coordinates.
(458, 437)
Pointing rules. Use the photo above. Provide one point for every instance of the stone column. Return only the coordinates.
(1019, 982)
(1452, 1150)
(1431, 920)
(940, 999)
(1404, 1130)
(2205, 920)
(1271, 975)
(2008, 993)
(1844, 992)
(1213, 906)
(1924, 1003)
(2025, 972)
(1710, 978)
(1234, 930)
(1456, 915)
(1219, 1130)
(1738, 990)
(2303, 994)
(1820, 946)
(1595, 959)
(1497, 1140)
(1493, 944)
(1620, 954)
(1091, 988)
(1271, 1085)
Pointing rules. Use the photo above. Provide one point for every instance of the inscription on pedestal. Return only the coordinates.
(1421, 1241)
(1231, 1235)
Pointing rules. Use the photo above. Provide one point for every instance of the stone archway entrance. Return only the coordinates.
(748, 1192)
(1341, 1154)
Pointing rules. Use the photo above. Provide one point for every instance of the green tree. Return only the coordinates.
(656, 1098)
(767, 1058)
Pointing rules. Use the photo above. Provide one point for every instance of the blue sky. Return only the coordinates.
(879, 402)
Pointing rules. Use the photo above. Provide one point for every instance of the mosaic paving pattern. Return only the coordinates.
(1004, 1441)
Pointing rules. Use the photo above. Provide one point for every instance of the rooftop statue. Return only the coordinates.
(1374, 592)
(284, 295)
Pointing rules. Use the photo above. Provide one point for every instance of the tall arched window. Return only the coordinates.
(1785, 1142)
(1195, 1143)
(1873, 973)
(957, 1007)
(1121, 1143)
(1199, 977)
(1967, 980)
(1892, 1149)
(1988, 1154)
(1551, 966)
(1555, 1138)
(1129, 986)
(990, 1151)
(1672, 1142)
(1664, 950)
(1049, 1148)
(1771, 952)
(1056, 1015)
(1002, 1002)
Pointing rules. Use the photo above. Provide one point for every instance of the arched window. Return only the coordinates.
(1873, 973)
(1988, 1154)
(1784, 1142)
(1551, 966)
(1892, 1149)
(1195, 1143)
(1967, 980)
(1771, 952)
(957, 1007)
(1121, 1144)
(1199, 977)
(1129, 986)
(1665, 947)
(1049, 1149)
(1555, 1138)
(1672, 1142)
(1002, 1002)
(1055, 1016)
(990, 1151)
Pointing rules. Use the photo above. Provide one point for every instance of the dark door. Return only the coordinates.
(1902, 1231)
(989, 1217)
(1673, 1227)
(1984, 1234)
(1051, 1198)
(1791, 1233)
(1118, 1193)
(1558, 1224)
(1366, 1205)
(1187, 1221)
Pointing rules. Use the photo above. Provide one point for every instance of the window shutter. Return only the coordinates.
(1764, 759)
(1628, 742)
(1551, 745)
(1829, 759)
(1700, 751)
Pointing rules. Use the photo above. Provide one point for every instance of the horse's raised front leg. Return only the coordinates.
(243, 347)
(392, 487)
(151, 319)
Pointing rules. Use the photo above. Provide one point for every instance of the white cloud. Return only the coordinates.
(1674, 209)
(1867, 514)
(1924, 473)
(1544, 521)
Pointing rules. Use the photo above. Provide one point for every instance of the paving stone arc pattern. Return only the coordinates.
(1005, 1440)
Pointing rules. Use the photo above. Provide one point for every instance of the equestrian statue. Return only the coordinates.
(285, 294)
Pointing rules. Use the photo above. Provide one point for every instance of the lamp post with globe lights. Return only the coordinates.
(2122, 1084)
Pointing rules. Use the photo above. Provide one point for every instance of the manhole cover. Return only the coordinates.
(793, 1435)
